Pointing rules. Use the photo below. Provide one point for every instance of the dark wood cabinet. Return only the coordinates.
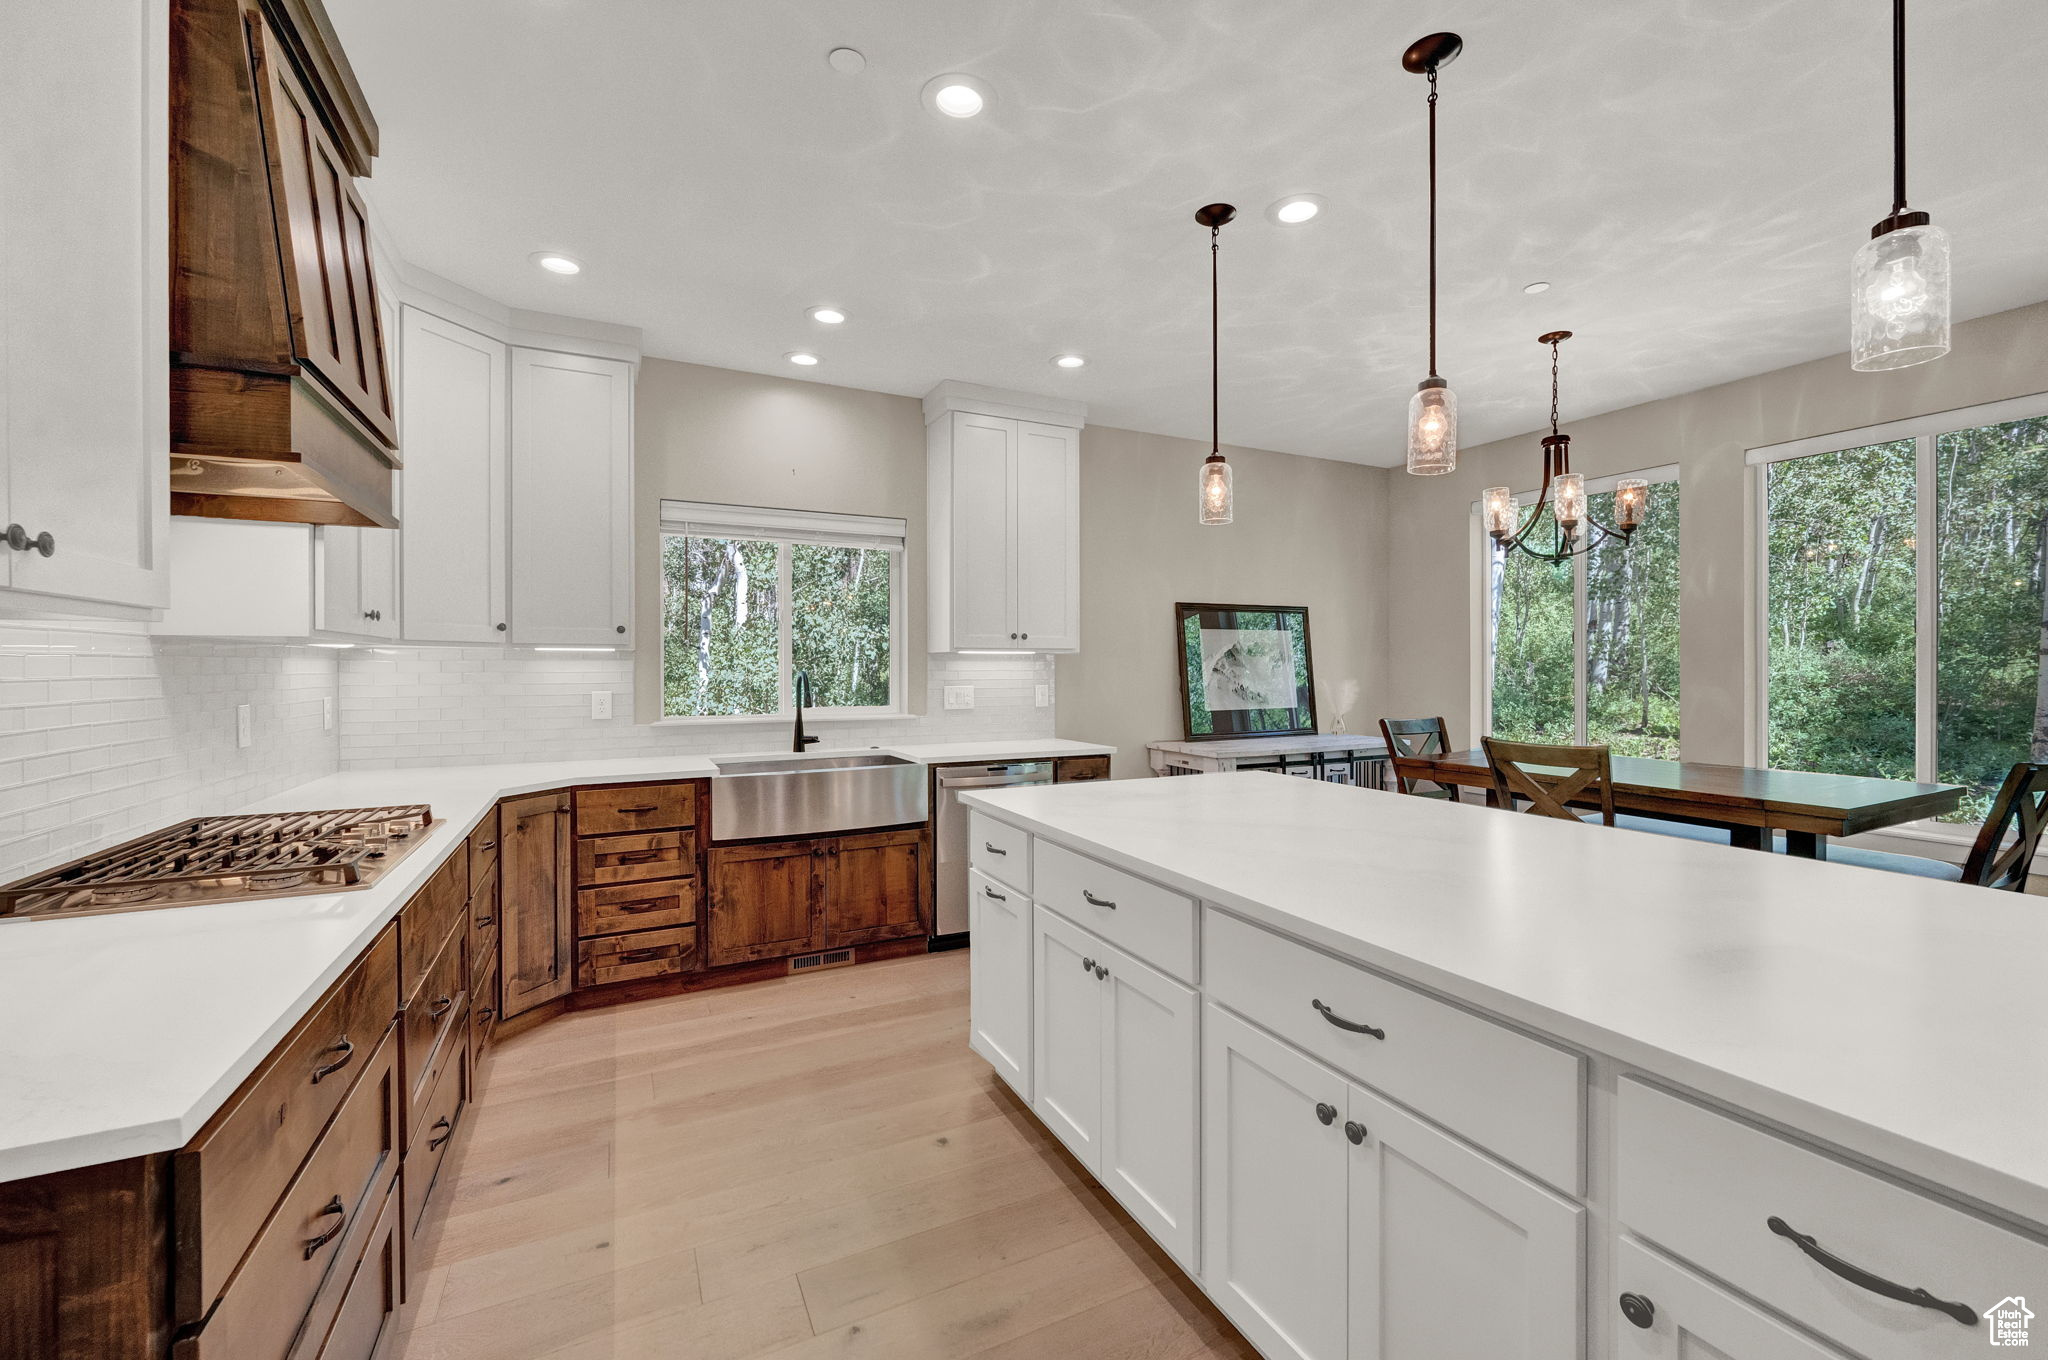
(1079, 769)
(791, 897)
(536, 914)
(764, 901)
(84, 1256)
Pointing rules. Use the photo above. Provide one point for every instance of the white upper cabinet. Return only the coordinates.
(1003, 476)
(454, 407)
(572, 488)
(84, 307)
(355, 581)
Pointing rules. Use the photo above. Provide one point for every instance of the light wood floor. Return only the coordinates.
(808, 1167)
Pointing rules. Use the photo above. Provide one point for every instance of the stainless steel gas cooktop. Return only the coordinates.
(219, 859)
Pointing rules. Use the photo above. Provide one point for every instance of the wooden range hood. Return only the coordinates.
(281, 402)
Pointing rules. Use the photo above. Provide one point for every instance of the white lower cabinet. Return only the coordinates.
(1274, 1251)
(999, 971)
(1339, 1225)
(1665, 1312)
(1454, 1256)
(1113, 1074)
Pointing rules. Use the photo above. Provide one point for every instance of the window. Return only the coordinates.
(1587, 649)
(1902, 599)
(750, 596)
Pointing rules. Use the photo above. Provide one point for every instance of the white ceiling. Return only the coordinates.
(1691, 175)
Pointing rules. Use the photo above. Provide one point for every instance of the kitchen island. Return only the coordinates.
(1393, 1077)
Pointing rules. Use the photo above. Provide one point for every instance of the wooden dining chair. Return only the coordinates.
(1410, 744)
(2021, 807)
(1549, 777)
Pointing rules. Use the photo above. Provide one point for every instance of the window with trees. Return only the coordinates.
(1586, 650)
(1905, 617)
(751, 596)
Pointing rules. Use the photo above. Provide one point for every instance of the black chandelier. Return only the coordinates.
(1563, 493)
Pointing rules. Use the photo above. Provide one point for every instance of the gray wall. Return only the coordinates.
(1430, 576)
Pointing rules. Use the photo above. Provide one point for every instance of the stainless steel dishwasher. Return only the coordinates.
(949, 916)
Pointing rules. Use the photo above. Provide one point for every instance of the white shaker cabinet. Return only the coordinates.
(1003, 520)
(572, 487)
(999, 965)
(84, 307)
(1066, 1033)
(355, 581)
(453, 415)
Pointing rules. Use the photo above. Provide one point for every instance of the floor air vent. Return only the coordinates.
(831, 958)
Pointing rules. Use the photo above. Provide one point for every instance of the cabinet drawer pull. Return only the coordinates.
(343, 1047)
(1355, 1131)
(441, 1007)
(1326, 1112)
(646, 904)
(1341, 1023)
(647, 955)
(441, 1123)
(639, 811)
(486, 845)
(637, 857)
(993, 849)
(340, 1214)
(483, 921)
(1863, 1279)
(486, 1013)
(987, 891)
(1095, 901)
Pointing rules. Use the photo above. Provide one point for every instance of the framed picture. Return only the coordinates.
(1245, 671)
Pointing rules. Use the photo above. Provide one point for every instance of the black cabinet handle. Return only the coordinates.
(486, 1013)
(1341, 1023)
(1355, 1131)
(441, 1123)
(1638, 1310)
(18, 539)
(1863, 1279)
(639, 811)
(1326, 1112)
(1095, 901)
(347, 1051)
(483, 921)
(333, 1207)
(994, 849)
(487, 845)
(987, 891)
(441, 1007)
(637, 857)
(643, 955)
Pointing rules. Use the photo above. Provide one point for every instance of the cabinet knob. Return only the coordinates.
(18, 539)
(1355, 1131)
(1100, 971)
(1326, 1112)
(620, 629)
(1638, 1310)
(1025, 636)
(1087, 965)
(501, 627)
(1013, 636)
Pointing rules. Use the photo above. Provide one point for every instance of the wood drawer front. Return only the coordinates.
(430, 1028)
(433, 912)
(483, 1007)
(228, 1178)
(444, 1110)
(1509, 1092)
(1705, 1187)
(630, 958)
(1154, 924)
(278, 1293)
(369, 1305)
(1078, 769)
(483, 849)
(637, 906)
(635, 859)
(483, 922)
(1000, 850)
(644, 807)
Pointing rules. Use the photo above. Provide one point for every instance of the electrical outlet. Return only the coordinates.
(243, 734)
(959, 696)
(327, 713)
(601, 704)
(1044, 693)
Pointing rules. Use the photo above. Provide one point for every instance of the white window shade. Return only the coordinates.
(701, 519)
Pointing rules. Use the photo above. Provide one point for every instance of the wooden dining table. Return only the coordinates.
(1747, 802)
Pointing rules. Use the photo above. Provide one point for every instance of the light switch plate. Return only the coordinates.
(601, 704)
(1044, 693)
(327, 713)
(959, 696)
(243, 734)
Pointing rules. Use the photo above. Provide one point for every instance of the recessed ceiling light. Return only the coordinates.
(1069, 360)
(1296, 209)
(827, 316)
(956, 96)
(802, 358)
(846, 60)
(1532, 289)
(556, 264)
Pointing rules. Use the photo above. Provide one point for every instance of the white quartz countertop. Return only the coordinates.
(1899, 1018)
(121, 1034)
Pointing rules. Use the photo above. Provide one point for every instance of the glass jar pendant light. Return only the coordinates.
(1563, 493)
(1433, 410)
(1899, 284)
(1215, 499)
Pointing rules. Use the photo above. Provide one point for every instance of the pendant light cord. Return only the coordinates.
(1215, 368)
(1898, 107)
(1432, 218)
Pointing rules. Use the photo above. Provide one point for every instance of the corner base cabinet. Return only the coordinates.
(537, 932)
(775, 899)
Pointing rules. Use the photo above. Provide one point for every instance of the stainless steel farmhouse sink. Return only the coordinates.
(755, 797)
